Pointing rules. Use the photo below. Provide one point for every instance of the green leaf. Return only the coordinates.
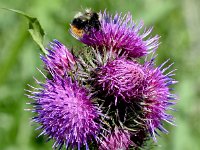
(35, 29)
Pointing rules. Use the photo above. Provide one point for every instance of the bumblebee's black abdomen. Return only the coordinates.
(94, 21)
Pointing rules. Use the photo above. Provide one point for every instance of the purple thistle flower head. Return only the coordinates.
(145, 88)
(121, 33)
(59, 59)
(65, 112)
(117, 140)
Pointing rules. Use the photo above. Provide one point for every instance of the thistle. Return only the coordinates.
(59, 59)
(109, 96)
(118, 139)
(65, 112)
(120, 33)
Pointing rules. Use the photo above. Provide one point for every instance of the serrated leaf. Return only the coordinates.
(35, 29)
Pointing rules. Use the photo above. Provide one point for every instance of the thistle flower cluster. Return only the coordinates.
(109, 97)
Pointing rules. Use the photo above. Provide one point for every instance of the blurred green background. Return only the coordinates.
(177, 22)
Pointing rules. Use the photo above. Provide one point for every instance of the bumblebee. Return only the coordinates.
(84, 23)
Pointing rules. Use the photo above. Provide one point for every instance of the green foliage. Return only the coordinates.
(34, 29)
(177, 22)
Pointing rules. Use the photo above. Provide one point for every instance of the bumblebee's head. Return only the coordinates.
(84, 22)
